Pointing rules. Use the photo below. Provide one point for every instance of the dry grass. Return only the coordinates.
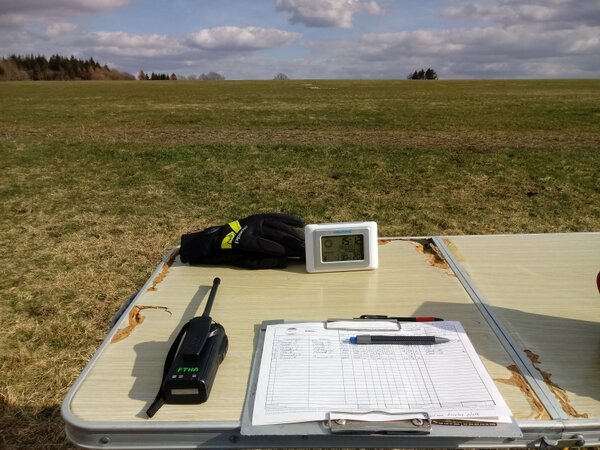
(99, 180)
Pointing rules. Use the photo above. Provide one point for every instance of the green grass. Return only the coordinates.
(99, 180)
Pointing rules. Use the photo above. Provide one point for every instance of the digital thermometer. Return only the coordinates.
(336, 247)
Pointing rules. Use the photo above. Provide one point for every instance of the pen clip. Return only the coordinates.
(372, 317)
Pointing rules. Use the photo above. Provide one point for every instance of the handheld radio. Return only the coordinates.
(193, 359)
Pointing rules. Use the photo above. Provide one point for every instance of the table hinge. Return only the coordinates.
(576, 440)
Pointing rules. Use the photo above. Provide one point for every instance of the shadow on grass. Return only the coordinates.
(29, 428)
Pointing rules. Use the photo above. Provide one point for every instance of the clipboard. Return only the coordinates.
(461, 431)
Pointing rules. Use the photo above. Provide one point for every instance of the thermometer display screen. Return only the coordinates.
(343, 247)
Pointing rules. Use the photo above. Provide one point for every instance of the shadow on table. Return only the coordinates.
(147, 351)
(557, 347)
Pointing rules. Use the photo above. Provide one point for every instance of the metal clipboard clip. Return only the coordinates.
(363, 324)
(379, 422)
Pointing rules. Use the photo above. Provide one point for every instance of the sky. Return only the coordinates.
(314, 39)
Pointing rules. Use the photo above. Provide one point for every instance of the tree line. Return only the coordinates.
(32, 67)
(165, 76)
(202, 77)
(422, 74)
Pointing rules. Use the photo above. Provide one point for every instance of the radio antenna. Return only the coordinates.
(211, 297)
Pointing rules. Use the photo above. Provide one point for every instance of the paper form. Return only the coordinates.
(307, 371)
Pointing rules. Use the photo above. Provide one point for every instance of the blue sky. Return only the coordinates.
(315, 39)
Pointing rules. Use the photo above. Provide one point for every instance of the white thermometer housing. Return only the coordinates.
(338, 247)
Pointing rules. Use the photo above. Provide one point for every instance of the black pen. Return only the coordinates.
(397, 340)
(403, 319)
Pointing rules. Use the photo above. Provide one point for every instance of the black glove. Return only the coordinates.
(260, 241)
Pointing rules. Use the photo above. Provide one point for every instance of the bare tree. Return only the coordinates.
(210, 76)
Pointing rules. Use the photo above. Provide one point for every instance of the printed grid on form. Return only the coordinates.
(313, 368)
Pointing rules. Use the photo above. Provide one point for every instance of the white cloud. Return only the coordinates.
(225, 40)
(11, 21)
(59, 29)
(511, 42)
(19, 13)
(562, 13)
(60, 6)
(327, 13)
(488, 51)
(236, 38)
(218, 41)
(133, 45)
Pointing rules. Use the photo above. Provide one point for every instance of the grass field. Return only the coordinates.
(99, 179)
